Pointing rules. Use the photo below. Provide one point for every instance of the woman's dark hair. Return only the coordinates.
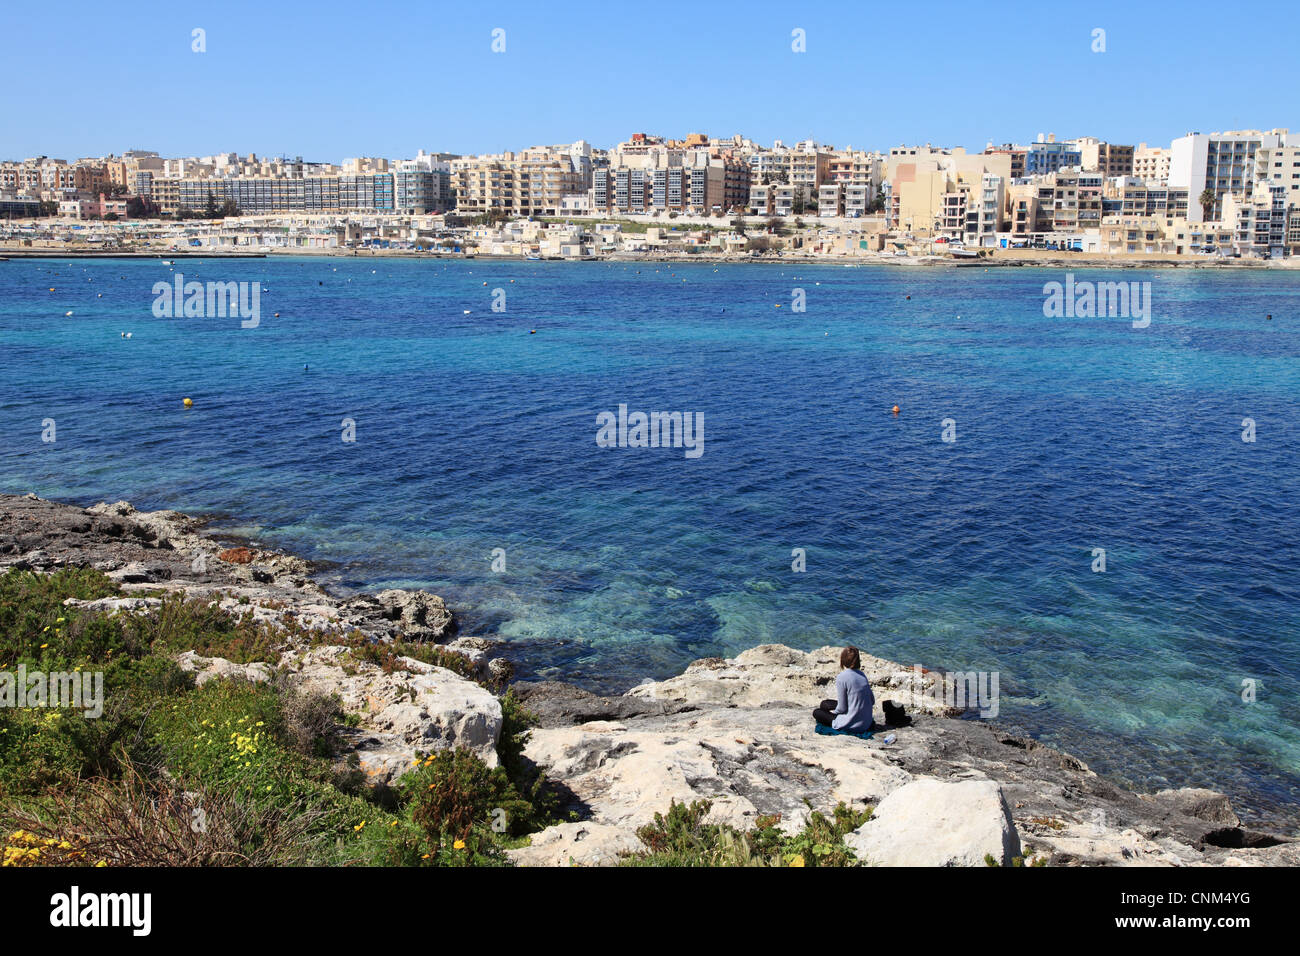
(849, 657)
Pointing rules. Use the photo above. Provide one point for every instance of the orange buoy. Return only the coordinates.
(896, 409)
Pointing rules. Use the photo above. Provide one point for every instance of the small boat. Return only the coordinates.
(965, 254)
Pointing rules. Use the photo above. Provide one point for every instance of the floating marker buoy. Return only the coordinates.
(1269, 316)
(777, 306)
(189, 403)
(896, 409)
(909, 298)
(69, 312)
(277, 315)
(467, 311)
(100, 296)
(51, 288)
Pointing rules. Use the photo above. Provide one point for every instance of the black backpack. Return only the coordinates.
(895, 715)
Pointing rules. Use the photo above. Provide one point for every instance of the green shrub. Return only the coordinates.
(181, 624)
(682, 838)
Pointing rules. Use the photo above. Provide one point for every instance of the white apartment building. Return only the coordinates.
(1220, 162)
(1258, 220)
(1280, 165)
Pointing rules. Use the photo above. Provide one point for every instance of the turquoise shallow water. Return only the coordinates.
(624, 564)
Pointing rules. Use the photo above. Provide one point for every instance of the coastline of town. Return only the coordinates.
(1207, 200)
(986, 259)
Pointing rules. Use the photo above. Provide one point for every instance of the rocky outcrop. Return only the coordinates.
(205, 669)
(167, 550)
(931, 822)
(406, 615)
(416, 709)
(739, 733)
(774, 673)
(412, 707)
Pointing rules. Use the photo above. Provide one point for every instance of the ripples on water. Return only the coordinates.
(625, 564)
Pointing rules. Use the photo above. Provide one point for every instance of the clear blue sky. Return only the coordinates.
(329, 80)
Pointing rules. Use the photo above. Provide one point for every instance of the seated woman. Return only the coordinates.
(852, 711)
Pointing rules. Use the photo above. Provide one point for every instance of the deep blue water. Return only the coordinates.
(624, 564)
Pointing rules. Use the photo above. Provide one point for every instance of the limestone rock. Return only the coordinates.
(404, 615)
(748, 762)
(212, 668)
(1196, 802)
(419, 709)
(774, 673)
(577, 844)
(932, 822)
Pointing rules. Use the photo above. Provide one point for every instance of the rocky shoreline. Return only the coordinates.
(736, 732)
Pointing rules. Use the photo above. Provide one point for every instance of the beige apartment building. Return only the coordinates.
(1109, 159)
(165, 192)
(1151, 163)
(945, 192)
(532, 182)
(1124, 235)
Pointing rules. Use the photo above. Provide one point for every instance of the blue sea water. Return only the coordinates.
(473, 433)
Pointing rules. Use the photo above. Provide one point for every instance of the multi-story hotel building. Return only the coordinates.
(671, 179)
(1280, 165)
(532, 182)
(367, 192)
(1133, 197)
(1221, 163)
(1258, 219)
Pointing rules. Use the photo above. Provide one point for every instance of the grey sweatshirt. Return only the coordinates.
(854, 701)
